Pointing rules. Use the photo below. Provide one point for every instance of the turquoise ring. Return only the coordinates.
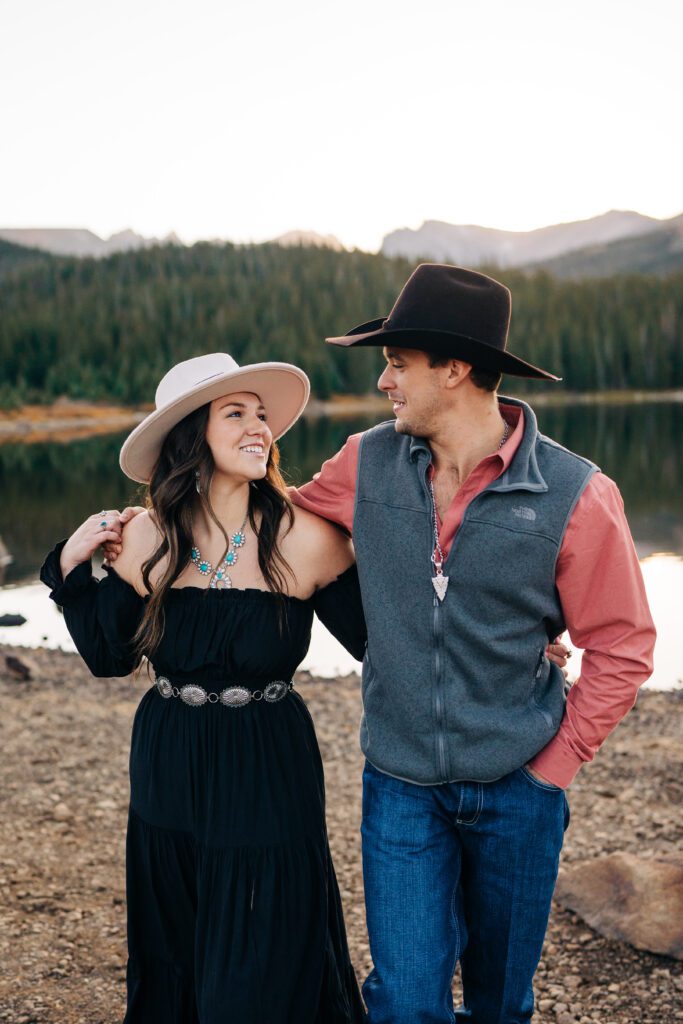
(103, 524)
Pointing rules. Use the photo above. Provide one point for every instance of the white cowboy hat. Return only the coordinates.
(283, 389)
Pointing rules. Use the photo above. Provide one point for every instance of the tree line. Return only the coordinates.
(109, 329)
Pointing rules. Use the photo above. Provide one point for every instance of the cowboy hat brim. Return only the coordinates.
(445, 343)
(284, 390)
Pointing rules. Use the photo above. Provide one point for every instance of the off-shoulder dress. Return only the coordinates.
(234, 914)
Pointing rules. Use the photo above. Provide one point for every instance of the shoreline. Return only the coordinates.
(67, 420)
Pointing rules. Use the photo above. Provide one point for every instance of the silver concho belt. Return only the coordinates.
(231, 697)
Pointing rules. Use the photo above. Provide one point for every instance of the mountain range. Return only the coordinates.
(619, 241)
(81, 241)
(471, 245)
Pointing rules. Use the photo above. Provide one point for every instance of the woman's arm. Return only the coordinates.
(339, 607)
(101, 615)
(323, 559)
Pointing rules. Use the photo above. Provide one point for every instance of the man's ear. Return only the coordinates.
(458, 372)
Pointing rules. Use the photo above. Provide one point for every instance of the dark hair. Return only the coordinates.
(171, 495)
(487, 380)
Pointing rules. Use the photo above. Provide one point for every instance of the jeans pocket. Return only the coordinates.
(550, 787)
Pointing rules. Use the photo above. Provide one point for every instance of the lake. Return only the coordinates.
(48, 489)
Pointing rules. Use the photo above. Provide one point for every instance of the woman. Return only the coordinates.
(233, 908)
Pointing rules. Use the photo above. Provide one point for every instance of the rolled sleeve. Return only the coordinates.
(332, 492)
(607, 614)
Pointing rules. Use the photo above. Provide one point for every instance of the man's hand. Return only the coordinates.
(556, 652)
(112, 548)
(541, 778)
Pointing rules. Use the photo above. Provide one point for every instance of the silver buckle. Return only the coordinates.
(164, 686)
(193, 695)
(235, 697)
(196, 696)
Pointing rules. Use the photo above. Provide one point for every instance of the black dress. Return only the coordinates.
(234, 915)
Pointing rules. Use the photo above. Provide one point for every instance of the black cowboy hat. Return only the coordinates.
(451, 312)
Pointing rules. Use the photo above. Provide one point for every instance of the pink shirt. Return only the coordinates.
(598, 579)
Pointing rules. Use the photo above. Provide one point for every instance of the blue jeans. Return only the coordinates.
(463, 871)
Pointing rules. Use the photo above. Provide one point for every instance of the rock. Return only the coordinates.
(61, 812)
(21, 669)
(12, 620)
(629, 898)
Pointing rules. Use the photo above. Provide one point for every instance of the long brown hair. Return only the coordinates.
(186, 462)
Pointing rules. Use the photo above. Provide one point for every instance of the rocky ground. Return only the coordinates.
(64, 794)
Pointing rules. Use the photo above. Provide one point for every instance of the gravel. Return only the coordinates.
(65, 787)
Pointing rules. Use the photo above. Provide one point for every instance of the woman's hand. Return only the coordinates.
(112, 548)
(104, 527)
(559, 654)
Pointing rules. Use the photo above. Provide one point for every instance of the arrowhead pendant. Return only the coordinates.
(440, 586)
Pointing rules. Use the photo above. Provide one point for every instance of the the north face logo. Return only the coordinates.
(523, 512)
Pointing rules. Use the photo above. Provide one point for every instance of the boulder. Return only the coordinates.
(12, 620)
(629, 898)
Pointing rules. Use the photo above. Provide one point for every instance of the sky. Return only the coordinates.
(220, 119)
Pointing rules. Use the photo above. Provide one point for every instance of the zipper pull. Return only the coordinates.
(541, 659)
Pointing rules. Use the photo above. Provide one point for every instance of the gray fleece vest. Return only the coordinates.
(461, 689)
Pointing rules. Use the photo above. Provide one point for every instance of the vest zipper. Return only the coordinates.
(439, 697)
(438, 692)
(539, 663)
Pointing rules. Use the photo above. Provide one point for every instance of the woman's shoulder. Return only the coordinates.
(139, 539)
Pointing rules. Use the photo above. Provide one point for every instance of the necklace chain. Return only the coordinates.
(437, 557)
(220, 577)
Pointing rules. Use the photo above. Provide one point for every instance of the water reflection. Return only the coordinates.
(639, 446)
(663, 574)
(47, 489)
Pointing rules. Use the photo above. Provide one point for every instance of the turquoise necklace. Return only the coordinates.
(220, 577)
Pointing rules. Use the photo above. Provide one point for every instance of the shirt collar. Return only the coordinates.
(513, 414)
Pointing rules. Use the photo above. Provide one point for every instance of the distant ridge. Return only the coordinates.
(310, 238)
(18, 257)
(471, 245)
(617, 242)
(656, 252)
(81, 241)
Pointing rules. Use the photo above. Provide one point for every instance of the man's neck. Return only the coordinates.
(469, 434)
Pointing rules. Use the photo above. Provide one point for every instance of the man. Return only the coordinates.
(477, 539)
